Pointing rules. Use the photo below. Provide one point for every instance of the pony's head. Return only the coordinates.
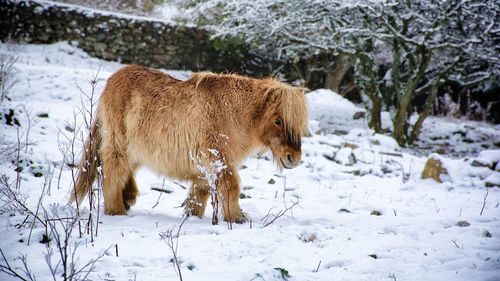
(283, 121)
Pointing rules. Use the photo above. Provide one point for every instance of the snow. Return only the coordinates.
(329, 235)
(169, 11)
(320, 106)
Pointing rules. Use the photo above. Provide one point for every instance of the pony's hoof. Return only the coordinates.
(239, 219)
(191, 212)
(193, 208)
(116, 212)
(129, 203)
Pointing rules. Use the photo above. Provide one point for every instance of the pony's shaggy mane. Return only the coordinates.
(207, 77)
(286, 99)
(289, 101)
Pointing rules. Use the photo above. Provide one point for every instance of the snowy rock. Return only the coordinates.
(487, 158)
(434, 168)
(385, 142)
(345, 157)
(492, 180)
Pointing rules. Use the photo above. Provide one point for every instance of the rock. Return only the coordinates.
(244, 196)
(476, 163)
(329, 157)
(492, 180)
(486, 234)
(463, 224)
(345, 157)
(351, 145)
(100, 47)
(376, 213)
(340, 132)
(434, 169)
(359, 115)
(271, 181)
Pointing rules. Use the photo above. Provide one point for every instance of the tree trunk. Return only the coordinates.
(399, 122)
(375, 120)
(429, 104)
(400, 133)
(344, 63)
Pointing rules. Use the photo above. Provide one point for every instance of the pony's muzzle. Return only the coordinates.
(289, 162)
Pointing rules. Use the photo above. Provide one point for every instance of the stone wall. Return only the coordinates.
(124, 38)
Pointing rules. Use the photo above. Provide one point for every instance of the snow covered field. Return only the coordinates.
(364, 213)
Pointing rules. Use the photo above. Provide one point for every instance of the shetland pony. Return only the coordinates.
(182, 128)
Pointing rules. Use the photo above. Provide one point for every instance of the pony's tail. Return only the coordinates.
(89, 163)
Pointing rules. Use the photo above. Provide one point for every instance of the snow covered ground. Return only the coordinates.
(364, 213)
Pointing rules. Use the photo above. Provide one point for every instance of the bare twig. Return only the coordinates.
(13, 197)
(270, 218)
(391, 154)
(484, 202)
(455, 242)
(7, 73)
(317, 268)
(182, 186)
(88, 102)
(60, 230)
(7, 268)
(161, 190)
(171, 237)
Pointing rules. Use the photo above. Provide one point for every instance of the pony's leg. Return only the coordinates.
(228, 190)
(130, 192)
(198, 195)
(116, 173)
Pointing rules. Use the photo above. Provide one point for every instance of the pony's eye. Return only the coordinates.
(278, 122)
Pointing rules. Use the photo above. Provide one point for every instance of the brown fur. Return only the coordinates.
(146, 117)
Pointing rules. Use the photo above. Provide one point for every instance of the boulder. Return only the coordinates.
(434, 169)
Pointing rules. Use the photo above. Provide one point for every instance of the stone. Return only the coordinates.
(100, 47)
(351, 145)
(486, 234)
(476, 163)
(434, 169)
(493, 180)
(359, 115)
(463, 224)
(345, 157)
